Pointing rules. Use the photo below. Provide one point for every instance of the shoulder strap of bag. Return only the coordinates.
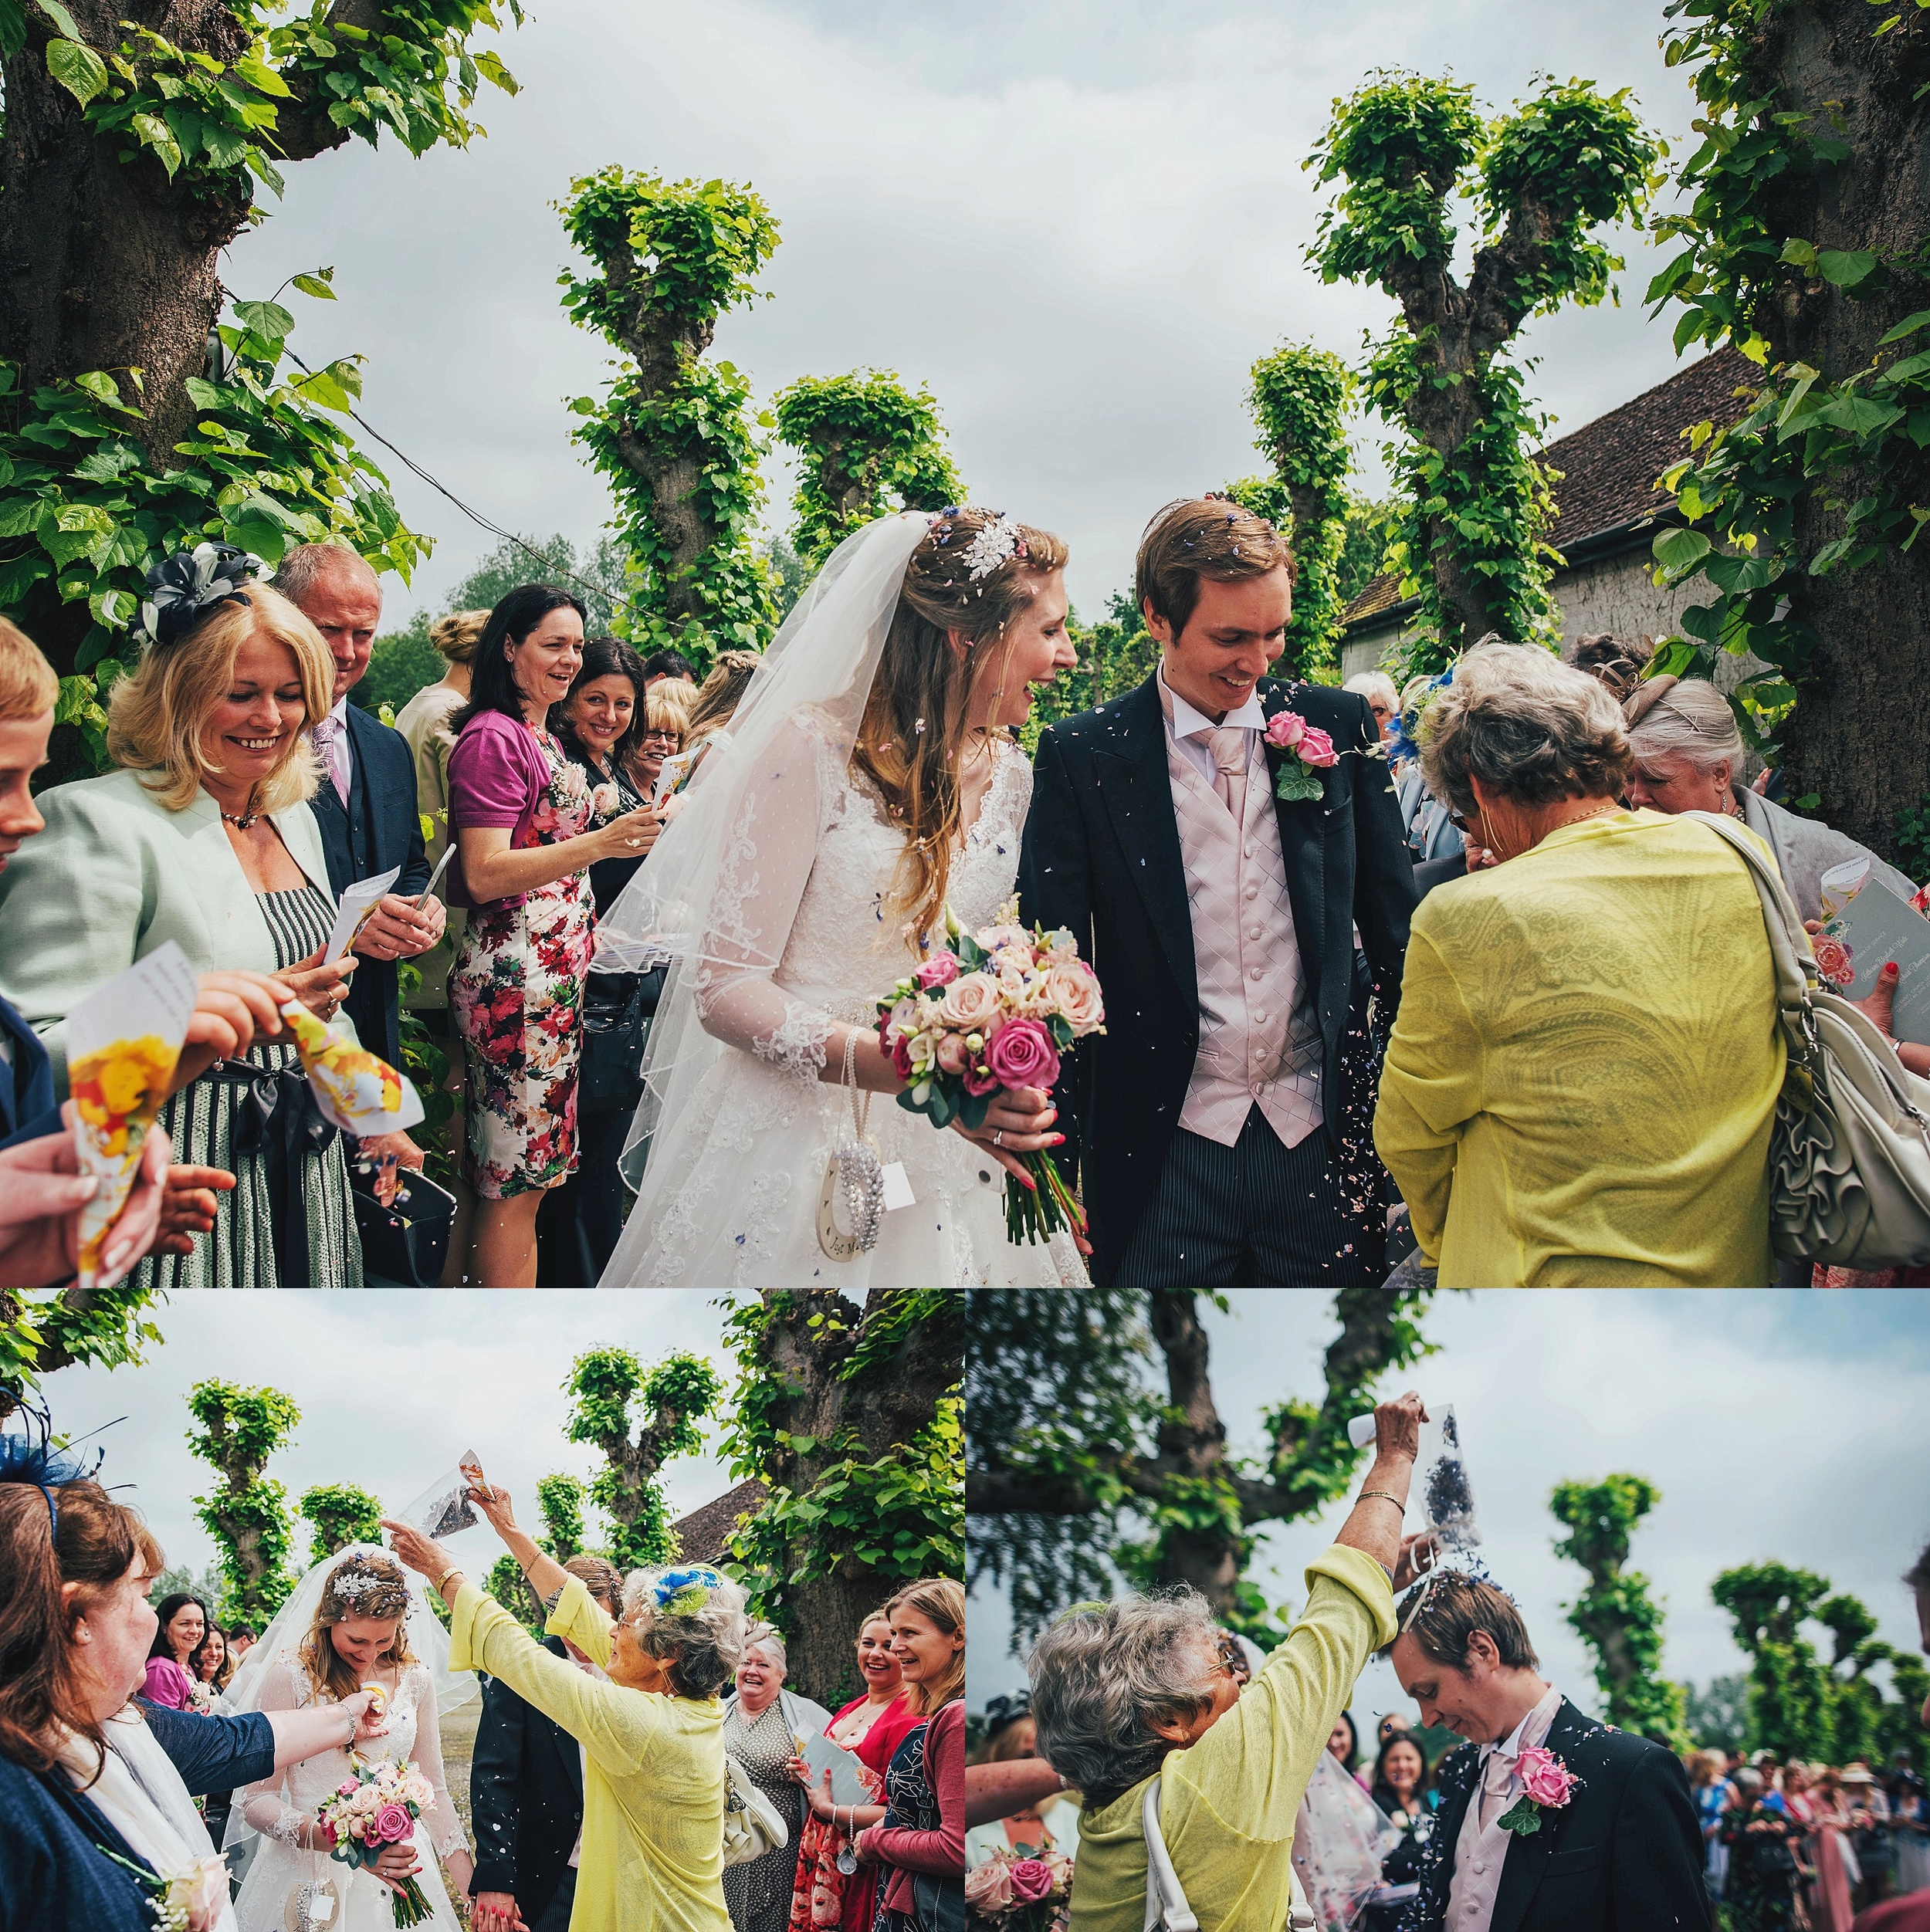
(1165, 1902)
(1795, 958)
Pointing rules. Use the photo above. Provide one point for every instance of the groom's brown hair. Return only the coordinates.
(1442, 1615)
(1202, 536)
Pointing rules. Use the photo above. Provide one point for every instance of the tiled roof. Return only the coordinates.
(700, 1535)
(1607, 470)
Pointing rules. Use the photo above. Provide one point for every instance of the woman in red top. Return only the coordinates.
(829, 1893)
(921, 1840)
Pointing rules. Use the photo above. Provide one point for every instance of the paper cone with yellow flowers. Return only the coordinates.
(356, 1091)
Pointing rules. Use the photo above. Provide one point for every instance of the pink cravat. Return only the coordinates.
(1228, 745)
(328, 741)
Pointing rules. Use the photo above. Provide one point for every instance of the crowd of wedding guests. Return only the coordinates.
(250, 790)
(612, 1754)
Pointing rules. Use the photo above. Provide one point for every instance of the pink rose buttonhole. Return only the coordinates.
(1547, 1785)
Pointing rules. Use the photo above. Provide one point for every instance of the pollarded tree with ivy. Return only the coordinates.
(853, 1419)
(673, 436)
(1544, 178)
(1615, 1616)
(248, 1515)
(1808, 247)
(867, 445)
(1299, 399)
(670, 1400)
(1073, 1452)
(133, 419)
(339, 1514)
(559, 1501)
(1789, 1699)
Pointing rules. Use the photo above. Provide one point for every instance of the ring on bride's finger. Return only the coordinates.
(998, 1139)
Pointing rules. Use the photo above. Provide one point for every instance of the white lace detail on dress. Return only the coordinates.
(797, 1045)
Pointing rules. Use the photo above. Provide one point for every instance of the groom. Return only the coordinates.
(1222, 1121)
(1616, 1846)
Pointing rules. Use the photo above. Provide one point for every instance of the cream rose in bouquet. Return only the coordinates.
(987, 1013)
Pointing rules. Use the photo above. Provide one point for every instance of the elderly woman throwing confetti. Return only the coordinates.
(648, 1717)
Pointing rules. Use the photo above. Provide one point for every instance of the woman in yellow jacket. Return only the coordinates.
(651, 1858)
(1582, 1075)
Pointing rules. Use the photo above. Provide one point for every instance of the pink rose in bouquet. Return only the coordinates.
(392, 1824)
(1544, 1777)
(1022, 1054)
(953, 1056)
(939, 970)
(988, 1887)
(1031, 1880)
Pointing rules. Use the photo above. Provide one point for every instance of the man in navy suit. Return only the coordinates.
(366, 804)
(1549, 1822)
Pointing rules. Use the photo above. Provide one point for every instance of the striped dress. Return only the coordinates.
(201, 1120)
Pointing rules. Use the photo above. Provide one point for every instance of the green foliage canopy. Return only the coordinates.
(341, 1514)
(867, 446)
(248, 1515)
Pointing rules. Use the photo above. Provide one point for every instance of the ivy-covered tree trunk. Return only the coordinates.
(247, 1516)
(1068, 1447)
(1789, 1694)
(1614, 1616)
(1869, 620)
(134, 137)
(673, 1398)
(853, 1417)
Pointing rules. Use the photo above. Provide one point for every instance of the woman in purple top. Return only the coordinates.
(520, 810)
(183, 1622)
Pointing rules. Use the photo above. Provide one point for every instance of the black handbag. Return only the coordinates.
(618, 1009)
(407, 1242)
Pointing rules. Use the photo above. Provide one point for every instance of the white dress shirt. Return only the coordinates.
(338, 757)
(1191, 728)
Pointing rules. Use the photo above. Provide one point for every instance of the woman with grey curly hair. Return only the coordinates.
(1581, 1079)
(651, 1726)
(1149, 1685)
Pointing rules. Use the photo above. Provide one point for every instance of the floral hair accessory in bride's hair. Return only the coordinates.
(682, 1593)
(997, 542)
(371, 1585)
(183, 588)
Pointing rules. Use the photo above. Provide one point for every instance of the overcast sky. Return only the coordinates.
(1080, 225)
(1777, 1425)
(393, 1386)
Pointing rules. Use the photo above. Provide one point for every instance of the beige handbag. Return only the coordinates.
(1849, 1155)
(752, 1824)
(1166, 1904)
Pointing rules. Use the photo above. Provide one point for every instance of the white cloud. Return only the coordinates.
(1081, 225)
(393, 1386)
(1775, 1424)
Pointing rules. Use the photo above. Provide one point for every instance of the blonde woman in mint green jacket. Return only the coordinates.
(204, 838)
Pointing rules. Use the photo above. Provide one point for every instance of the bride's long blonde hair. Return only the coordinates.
(913, 728)
(367, 1583)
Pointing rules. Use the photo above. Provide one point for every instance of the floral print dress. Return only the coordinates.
(516, 993)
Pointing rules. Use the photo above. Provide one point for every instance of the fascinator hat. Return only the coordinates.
(30, 1457)
(682, 1593)
(182, 589)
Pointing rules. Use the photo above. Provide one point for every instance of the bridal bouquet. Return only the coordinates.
(987, 1013)
(374, 1807)
(1022, 1890)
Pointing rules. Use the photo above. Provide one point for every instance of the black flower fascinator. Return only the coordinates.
(184, 588)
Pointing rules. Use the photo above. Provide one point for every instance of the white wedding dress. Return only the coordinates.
(279, 1805)
(736, 1189)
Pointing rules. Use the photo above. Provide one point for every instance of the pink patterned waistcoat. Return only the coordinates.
(1260, 1040)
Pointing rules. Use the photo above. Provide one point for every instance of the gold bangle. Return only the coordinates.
(1398, 1502)
(454, 1569)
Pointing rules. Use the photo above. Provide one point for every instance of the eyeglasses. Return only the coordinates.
(658, 731)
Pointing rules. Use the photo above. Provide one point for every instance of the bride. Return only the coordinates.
(868, 781)
(354, 1620)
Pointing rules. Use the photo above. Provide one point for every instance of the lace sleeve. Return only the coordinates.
(762, 877)
(445, 1824)
(264, 1806)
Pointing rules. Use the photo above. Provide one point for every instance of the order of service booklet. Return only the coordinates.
(1873, 927)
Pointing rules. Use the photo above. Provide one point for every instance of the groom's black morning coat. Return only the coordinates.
(1102, 856)
(525, 1797)
(1623, 1855)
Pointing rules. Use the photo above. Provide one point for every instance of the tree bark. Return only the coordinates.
(1871, 624)
(887, 1406)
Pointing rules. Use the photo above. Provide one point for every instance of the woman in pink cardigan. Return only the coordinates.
(920, 1841)
(182, 1623)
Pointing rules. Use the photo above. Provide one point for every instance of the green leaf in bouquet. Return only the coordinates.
(972, 1109)
(1061, 1029)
